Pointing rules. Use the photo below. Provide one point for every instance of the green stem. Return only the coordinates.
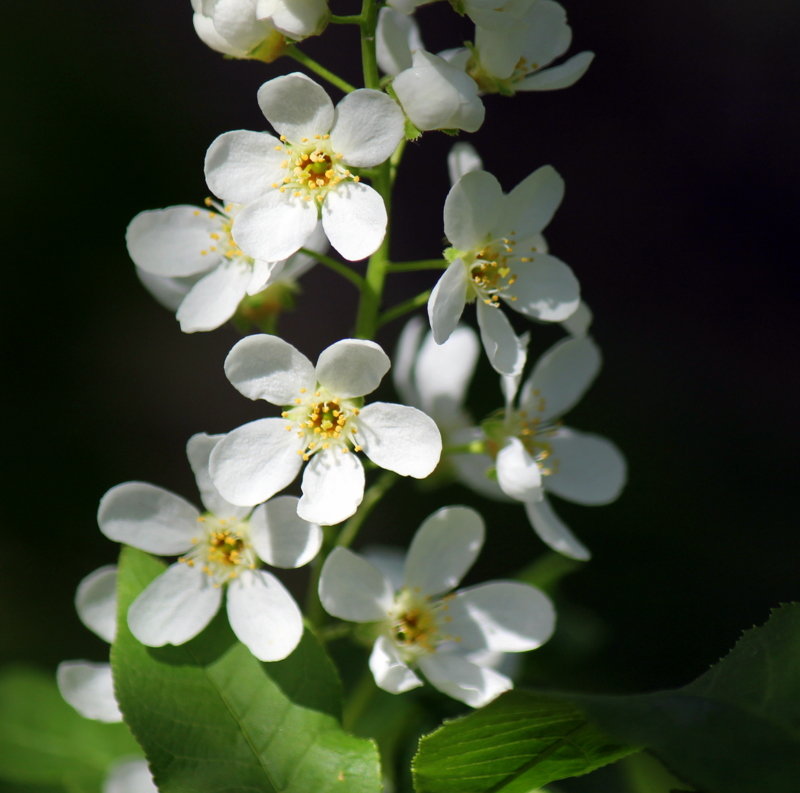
(375, 493)
(350, 19)
(367, 316)
(404, 308)
(293, 52)
(422, 264)
(337, 267)
(369, 59)
(315, 614)
(359, 698)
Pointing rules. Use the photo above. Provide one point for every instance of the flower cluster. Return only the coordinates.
(324, 177)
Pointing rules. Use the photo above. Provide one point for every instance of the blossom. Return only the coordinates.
(420, 626)
(208, 274)
(297, 19)
(232, 28)
(218, 548)
(287, 184)
(323, 423)
(509, 60)
(533, 454)
(434, 93)
(87, 685)
(497, 258)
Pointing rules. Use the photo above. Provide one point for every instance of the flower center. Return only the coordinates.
(322, 421)
(223, 550)
(415, 623)
(534, 433)
(312, 167)
(491, 271)
(222, 242)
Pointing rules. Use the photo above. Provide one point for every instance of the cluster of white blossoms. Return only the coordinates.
(324, 178)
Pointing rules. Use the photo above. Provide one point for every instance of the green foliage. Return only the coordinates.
(211, 717)
(736, 729)
(45, 745)
(516, 744)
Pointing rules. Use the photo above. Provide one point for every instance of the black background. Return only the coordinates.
(679, 151)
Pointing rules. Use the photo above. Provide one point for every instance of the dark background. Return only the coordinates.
(679, 151)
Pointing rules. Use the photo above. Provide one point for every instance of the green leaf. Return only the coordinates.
(44, 742)
(212, 718)
(736, 729)
(516, 744)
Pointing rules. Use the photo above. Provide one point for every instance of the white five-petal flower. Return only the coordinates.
(497, 258)
(421, 626)
(189, 252)
(515, 59)
(232, 28)
(288, 184)
(220, 547)
(323, 423)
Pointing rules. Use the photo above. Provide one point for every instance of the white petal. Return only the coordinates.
(461, 160)
(447, 300)
(547, 33)
(588, 469)
(353, 589)
(275, 226)
(391, 561)
(436, 94)
(174, 241)
(518, 473)
(174, 607)
(503, 616)
(472, 210)
(261, 274)
(169, 292)
(255, 461)
(198, 451)
(242, 165)
(129, 776)
(296, 106)
(445, 546)
(499, 51)
(553, 532)
(369, 125)
(267, 367)
(88, 687)
(400, 438)
(443, 371)
(396, 37)
(530, 206)
(561, 76)
(506, 351)
(352, 367)
(463, 680)
(296, 19)
(207, 33)
(561, 377)
(578, 324)
(472, 469)
(404, 360)
(281, 537)
(235, 21)
(354, 218)
(263, 615)
(213, 300)
(545, 289)
(333, 486)
(147, 517)
(96, 602)
(388, 669)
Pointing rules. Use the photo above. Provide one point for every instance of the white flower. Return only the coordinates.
(323, 423)
(421, 625)
(288, 184)
(509, 60)
(533, 454)
(434, 94)
(87, 685)
(129, 775)
(462, 158)
(187, 257)
(497, 258)
(298, 19)
(232, 28)
(496, 15)
(221, 547)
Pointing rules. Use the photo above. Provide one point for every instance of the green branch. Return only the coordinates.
(422, 264)
(404, 308)
(326, 74)
(373, 495)
(337, 267)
